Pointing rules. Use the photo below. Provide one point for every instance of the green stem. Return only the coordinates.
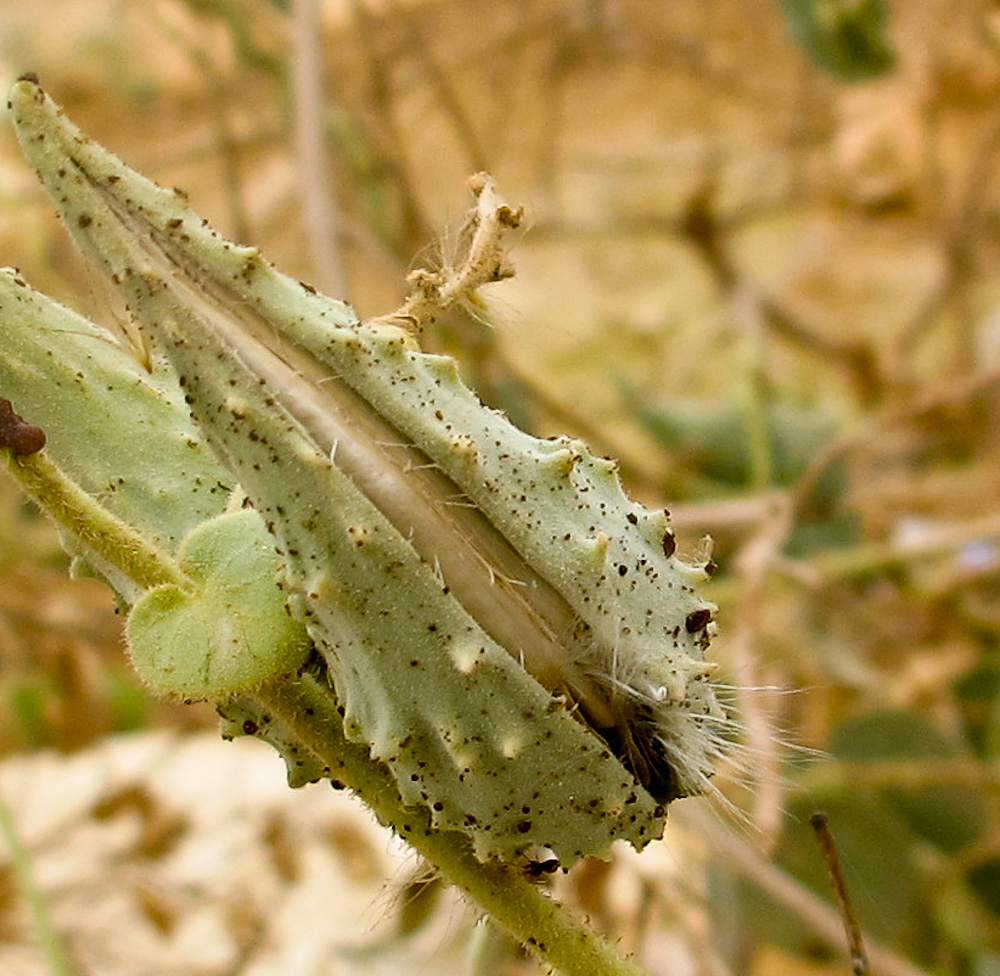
(48, 938)
(490, 948)
(540, 924)
(89, 522)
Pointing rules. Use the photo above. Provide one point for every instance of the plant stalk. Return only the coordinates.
(545, 927)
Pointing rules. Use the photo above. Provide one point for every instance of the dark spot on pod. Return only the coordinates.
(16, 435)
(524, 826)
(697, 620)
(537, 869)
(249, 727)
(669, 544)
(84, 220)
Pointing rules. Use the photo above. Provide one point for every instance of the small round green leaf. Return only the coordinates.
(229, 631)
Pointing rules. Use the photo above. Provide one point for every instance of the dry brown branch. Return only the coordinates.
(699, 225)
(880, 556)
(811, 910)
(906, 774)
(820, 823)
(419, 46)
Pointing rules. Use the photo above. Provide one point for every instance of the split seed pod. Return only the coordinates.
(510, 634)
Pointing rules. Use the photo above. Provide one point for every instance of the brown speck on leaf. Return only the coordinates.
(697, 620)
(18, 436)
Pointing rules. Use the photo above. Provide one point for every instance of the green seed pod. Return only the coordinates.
(475, 591)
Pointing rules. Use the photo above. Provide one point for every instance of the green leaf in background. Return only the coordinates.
(949, 816)
(978, 691)
(27, 701)
(128, 702)
(711, 447)
(846, 37)
(984, 879)
(967, 908)
(712, 441)
(880, 865)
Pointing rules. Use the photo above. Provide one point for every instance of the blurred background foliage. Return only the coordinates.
(760, 267)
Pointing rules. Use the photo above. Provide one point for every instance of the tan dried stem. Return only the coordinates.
(320, 209)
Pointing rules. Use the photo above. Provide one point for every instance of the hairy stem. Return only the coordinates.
(107, 537)
(544, 926)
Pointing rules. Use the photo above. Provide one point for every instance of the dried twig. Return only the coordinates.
(878, 556)
(319, 206)
(700, 226)
(822, 920)
(820, 823)
(908, 774)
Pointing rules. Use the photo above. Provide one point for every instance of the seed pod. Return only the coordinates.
(464, 581)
